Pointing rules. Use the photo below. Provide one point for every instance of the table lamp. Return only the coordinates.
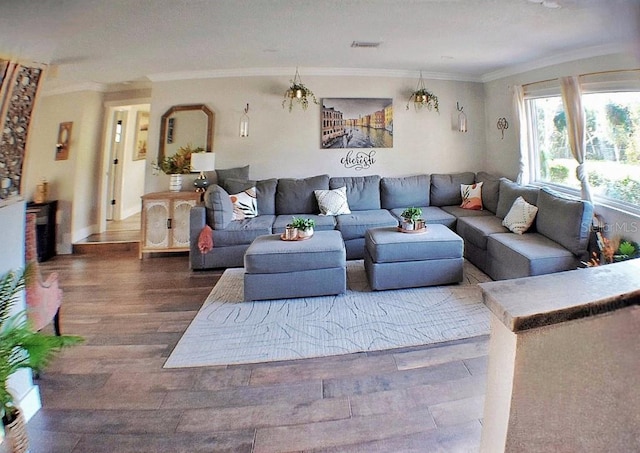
(202, 162)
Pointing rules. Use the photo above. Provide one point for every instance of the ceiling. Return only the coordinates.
(115, 41)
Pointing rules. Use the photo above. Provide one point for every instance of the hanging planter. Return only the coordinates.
(299, 93)
(421, 97)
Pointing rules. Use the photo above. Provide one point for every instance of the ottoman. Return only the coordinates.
(393, 259)
(277, 269)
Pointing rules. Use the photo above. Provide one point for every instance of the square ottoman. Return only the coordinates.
(393, 259)
(277, 269)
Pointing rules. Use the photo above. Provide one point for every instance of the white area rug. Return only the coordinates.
(228, 331)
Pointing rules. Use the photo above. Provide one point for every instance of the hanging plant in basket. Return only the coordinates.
(20, 347)
(422, 97)
(298, 92)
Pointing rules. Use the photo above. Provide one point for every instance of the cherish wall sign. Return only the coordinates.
(359, 160)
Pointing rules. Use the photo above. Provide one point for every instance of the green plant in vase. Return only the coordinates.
(20, 346)
(304, 226)
(412, 219)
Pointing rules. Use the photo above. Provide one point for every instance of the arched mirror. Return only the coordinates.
(183, 125)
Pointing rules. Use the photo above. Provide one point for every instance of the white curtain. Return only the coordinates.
(524, 169)
(572, 99)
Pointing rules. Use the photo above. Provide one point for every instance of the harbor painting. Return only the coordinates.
(357, 123)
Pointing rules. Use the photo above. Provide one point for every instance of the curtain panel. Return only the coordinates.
(18, 89)
(572, 100)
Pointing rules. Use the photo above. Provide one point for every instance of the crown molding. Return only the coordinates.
(86, 86)
(589, 52)
(308, 71)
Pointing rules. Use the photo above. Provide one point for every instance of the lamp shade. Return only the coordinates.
(203, 162)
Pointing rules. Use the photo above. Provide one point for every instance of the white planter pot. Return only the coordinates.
(305, 233)
(175, 183)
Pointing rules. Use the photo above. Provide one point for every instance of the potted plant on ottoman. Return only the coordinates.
(20, 347)
(304, 227)
(412, 219)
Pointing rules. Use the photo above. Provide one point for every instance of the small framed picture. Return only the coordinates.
(64, 138)
(142, 136)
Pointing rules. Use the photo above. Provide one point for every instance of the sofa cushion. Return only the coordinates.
(265, 192)
(520, 216)
(363, 192)
(332, 201)
(219, 207)
(430, 214)
(445, 188)
(458, 212)
(243, 232)
(509, 191)
(323, 223)
(490, 190)
(295, 196)
(564, 220)
(404, 192)
(356, 224)
(476, 230)
(231, 173)
(522, 255)
(471, 196)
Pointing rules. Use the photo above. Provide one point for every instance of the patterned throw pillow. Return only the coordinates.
(471, 196)
(245, 204)
(333, 202)
(520, 216)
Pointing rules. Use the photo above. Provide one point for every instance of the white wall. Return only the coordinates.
(133, 171)
(12, 219)
(283, 144)
(74, 181)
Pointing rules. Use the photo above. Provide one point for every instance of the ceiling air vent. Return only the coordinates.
(365, 44)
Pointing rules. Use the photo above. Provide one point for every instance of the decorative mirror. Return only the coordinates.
(184, 125)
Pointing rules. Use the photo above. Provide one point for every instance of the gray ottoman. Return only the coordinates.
(277, 269)
(394, 259)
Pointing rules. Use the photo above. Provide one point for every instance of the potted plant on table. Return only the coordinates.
(304, 227)
(177, 165)
(20, 347)
(412, 219)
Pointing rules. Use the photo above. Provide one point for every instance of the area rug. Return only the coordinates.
(228, 331)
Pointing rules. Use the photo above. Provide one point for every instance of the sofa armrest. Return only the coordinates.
(197, 221)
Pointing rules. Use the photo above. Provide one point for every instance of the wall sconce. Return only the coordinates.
(244, 123)
(202, 162)
(64, 137)
(462, 119)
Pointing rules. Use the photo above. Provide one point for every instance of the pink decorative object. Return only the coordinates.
(44, 298)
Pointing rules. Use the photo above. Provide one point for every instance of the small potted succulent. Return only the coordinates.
(412, 219)
(303, 226)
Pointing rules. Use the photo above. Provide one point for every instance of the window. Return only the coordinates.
(612, 145)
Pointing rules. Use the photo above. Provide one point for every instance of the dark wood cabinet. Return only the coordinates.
(45, 228)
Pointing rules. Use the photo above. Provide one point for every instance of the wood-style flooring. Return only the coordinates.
(111, 394)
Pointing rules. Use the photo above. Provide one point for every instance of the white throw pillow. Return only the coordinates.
(245, 204)
(333, 202)
(520, 216)
(471, 196)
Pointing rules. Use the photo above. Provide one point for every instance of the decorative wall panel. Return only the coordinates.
(19, 85)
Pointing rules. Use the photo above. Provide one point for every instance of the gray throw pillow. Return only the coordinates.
(490, 190)
(219, 207)
(231, 173)
(296, 196)
(405, 192)
(445, 189)
(508, 193)
(564, 220)
(363, 192)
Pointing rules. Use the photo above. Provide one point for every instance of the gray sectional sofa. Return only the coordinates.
(557, 240)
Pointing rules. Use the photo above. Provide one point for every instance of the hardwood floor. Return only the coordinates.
(112, 394)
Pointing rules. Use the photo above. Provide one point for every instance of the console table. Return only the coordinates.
(45, 228)
(165, 221)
